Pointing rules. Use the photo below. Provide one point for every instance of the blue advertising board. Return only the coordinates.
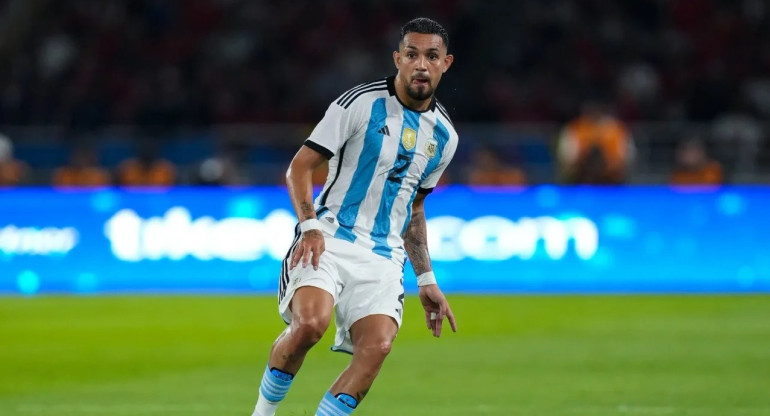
(482, 240)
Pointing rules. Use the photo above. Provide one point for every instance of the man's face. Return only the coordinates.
(421, 60)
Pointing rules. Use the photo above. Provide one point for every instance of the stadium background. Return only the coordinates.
(123, 298)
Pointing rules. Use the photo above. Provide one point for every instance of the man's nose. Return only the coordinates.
(422, 63)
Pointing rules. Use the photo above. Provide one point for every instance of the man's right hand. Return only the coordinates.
(310, 247)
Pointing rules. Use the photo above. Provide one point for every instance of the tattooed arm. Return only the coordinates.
(416, 245)
(299, 180)
(416, 237)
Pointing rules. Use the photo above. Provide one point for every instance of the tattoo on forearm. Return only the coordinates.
(306, 210)
(289, 358)
(361, 394)
(416, 243)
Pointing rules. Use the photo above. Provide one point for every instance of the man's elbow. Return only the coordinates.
(418, 210)
(296, 168)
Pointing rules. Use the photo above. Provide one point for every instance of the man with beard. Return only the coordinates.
(387, 143)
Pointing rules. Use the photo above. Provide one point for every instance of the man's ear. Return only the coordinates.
(448, 61)
(396, 56)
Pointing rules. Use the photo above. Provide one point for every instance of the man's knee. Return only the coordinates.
(377, 350)
(373, 337)
(309, 330)
(311, 314)
(383, 348)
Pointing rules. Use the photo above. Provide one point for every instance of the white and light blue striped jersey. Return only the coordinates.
(380, 154)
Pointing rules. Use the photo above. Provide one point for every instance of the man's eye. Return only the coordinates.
(433, 57)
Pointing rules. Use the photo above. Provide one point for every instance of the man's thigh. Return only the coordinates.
(326, 278)
(373, 331)
(371, 287)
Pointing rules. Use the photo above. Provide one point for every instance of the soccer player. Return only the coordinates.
(387, 143)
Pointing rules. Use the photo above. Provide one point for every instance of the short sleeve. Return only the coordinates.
(334, 129)
(431, 180)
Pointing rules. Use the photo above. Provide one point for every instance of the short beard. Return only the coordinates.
(418, 94)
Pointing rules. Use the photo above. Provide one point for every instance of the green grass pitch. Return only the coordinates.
(517, 355)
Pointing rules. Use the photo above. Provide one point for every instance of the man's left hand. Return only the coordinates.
(436, 308)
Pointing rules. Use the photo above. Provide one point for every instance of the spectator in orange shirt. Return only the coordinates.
(487, 168)
(146, 169)
(694, 167)
(83, 170)
(12, 171)
(595, 148)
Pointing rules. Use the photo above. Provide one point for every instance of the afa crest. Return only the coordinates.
(409, 138)
(430, 148)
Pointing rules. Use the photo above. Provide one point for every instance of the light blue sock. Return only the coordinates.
(275, 384)
(333, 406)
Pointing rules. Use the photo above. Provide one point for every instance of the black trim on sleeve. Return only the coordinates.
(318, 148)
(425, 191)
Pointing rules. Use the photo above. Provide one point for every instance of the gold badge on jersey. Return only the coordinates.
(430, 148)
(409, 138)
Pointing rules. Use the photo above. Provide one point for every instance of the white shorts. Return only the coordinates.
(362, 283)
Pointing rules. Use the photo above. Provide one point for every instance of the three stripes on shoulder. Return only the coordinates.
(350, 96)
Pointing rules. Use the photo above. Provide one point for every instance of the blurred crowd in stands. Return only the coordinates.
(595, 68)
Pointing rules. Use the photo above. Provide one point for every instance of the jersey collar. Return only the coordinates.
(390, 81)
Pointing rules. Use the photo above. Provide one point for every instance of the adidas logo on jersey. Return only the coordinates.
(384, 130)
